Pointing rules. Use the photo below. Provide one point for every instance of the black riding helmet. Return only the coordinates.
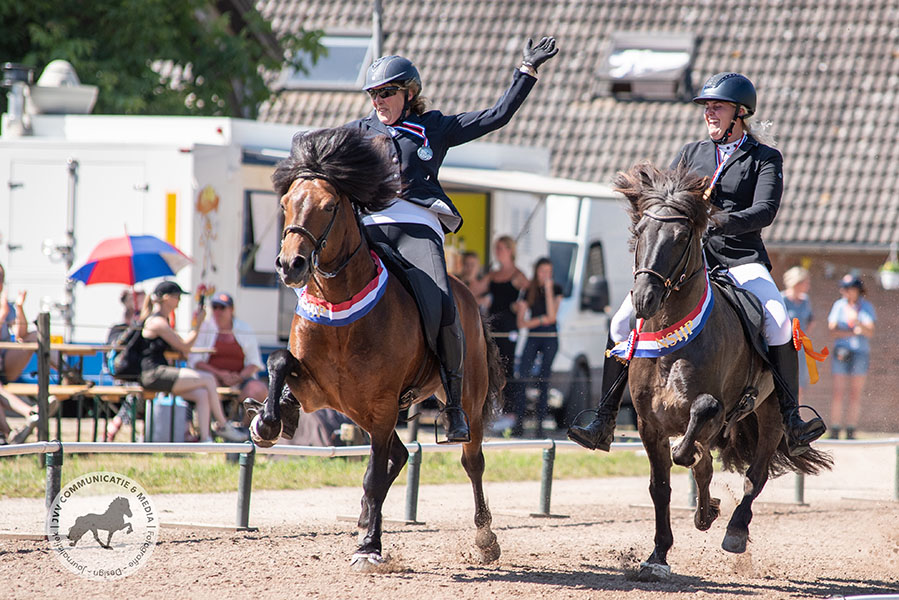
(729, 87)
(391, 68)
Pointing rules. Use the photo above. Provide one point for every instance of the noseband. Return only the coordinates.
(321, 242)
(671, 282)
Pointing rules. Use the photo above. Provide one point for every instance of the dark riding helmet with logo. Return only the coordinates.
(391, 68)
(729, 87)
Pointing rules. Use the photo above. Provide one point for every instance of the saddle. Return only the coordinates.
(752, 317)
(427, 298)
(747, 306)
(420, 287)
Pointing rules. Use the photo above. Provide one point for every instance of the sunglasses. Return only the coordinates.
(219, 307)
(384, 92)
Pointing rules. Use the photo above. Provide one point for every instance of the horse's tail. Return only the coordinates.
(738, 453)
(496, 376)
(78, 529)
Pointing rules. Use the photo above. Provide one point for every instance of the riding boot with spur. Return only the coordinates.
(799, 433)
(451, 349)
(600, 433)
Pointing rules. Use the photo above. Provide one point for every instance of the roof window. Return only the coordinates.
(341, 67)
(647, 66)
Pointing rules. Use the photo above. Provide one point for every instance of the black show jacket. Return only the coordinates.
(748, 192)
(419, 177)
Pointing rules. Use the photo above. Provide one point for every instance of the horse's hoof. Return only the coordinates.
(260, 433)
(653, 572)
(253, 407)
(366, 562)
(488, 547)
(491, 553)
(735, 542)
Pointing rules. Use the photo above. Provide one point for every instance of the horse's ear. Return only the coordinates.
(633, 184)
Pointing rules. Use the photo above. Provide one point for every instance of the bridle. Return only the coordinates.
(671, 282)
(319, 243)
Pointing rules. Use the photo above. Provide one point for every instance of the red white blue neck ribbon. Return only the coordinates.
(653, 344)
(336, 315)
(720, 162)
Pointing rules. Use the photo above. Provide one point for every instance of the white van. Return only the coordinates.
(588, 246)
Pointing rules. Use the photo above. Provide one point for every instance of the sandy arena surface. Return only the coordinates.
(843, 542)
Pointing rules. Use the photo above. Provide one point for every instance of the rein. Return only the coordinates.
(321, 242)
(671, 283)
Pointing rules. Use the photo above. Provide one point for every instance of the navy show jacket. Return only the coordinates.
(419, 177)
(748, 193)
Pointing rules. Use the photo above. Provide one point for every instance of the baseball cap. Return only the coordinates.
(168, 287)
(850, 280)
(222, 299)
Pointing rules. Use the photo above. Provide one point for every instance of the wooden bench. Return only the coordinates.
(104, 395)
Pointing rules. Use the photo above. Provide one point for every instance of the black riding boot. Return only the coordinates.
(451, 346)
(799, 433)
(600, 433)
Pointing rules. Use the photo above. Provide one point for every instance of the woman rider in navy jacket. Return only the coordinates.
(415, 225)
(746, 185)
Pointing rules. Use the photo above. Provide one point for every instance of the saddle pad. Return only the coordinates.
(748, 307)
(419, 286)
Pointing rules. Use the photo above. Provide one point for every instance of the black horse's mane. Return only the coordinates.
(648, 188)
(355, 165)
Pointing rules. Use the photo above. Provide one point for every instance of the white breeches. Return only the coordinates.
(753, 277)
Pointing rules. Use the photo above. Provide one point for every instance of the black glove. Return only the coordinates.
(534, 56)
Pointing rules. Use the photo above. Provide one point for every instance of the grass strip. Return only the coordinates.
(198, 473)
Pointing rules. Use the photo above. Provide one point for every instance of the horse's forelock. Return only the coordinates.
(352, 163)
(646, 187)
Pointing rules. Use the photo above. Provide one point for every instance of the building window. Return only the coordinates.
(647, 66)
(341, 67)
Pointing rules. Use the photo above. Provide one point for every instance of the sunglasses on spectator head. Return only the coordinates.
(384, 92)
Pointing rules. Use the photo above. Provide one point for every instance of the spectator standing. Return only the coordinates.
(504, 286)
(192, 385)
(472, 275)
(851, 321)
(797, 282)
(537, 313)
(236, 360)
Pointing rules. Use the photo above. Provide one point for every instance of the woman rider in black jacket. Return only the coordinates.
(746, 184)
(416, 223)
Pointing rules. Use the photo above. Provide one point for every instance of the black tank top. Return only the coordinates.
(154, 353)
(502, 316)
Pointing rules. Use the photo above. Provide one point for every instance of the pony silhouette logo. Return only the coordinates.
(111, 521)
(118, 514)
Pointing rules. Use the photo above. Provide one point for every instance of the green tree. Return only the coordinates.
(148, 57)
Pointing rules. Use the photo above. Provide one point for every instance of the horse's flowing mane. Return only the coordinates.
(647, 187)
(355, 165)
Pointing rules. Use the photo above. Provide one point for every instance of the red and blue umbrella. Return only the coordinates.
(129, 259)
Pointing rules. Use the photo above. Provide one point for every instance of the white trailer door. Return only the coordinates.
(36, 211)
(110, 198)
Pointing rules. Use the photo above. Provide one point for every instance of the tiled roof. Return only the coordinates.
(827, 72)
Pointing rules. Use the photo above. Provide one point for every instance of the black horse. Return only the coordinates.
(703, 390)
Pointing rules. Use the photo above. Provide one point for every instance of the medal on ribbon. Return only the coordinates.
(424, 151)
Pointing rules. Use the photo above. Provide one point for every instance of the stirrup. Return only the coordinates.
(447, 440)
(578, 434)
(802, 445)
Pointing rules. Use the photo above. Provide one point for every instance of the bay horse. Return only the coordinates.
(364, 367)
(696, 391)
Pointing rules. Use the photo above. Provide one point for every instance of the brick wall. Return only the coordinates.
(880, 398)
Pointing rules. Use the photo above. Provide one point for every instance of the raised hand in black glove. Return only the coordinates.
(534, 56)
